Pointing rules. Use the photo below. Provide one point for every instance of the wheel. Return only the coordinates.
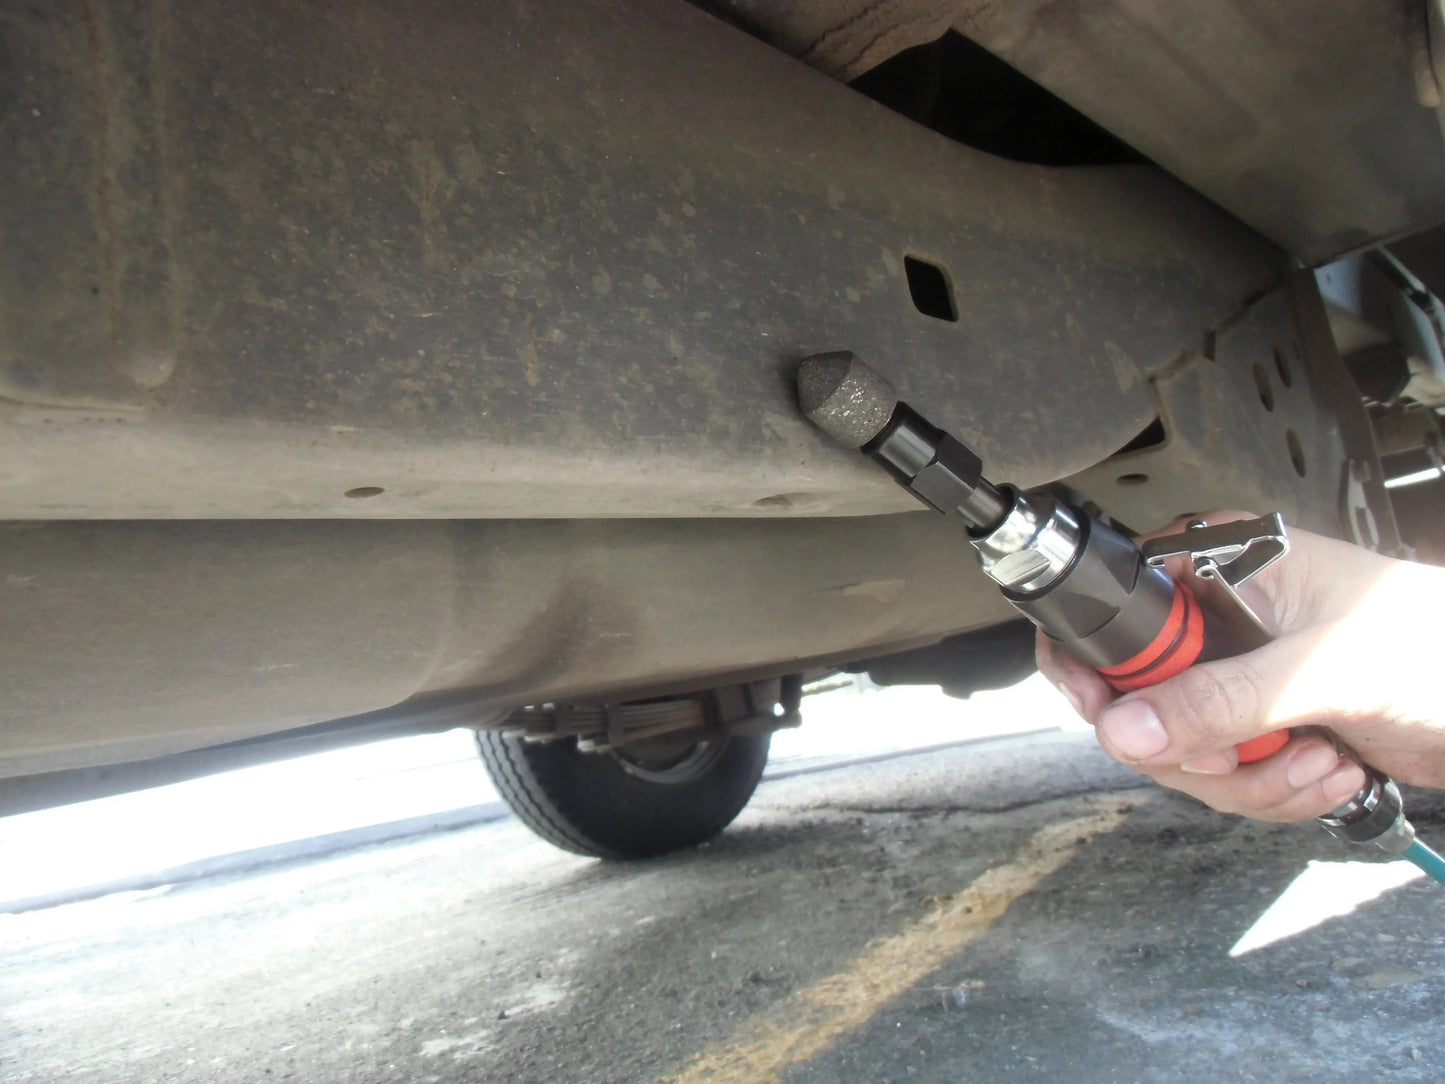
(654, 798)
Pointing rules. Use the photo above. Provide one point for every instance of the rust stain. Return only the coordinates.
(532, 371)
(158, 27)
(424, 154)
(101, 62)
(428, 212)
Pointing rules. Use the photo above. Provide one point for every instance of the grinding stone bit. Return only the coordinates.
(844, 398)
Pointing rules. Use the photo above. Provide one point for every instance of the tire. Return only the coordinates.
(604, 805)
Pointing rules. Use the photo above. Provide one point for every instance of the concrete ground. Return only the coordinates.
(1013, 909)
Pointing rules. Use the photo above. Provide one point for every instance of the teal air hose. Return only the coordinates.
(1426, 859)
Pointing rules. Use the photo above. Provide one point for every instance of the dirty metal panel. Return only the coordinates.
(120, 641)
(1318, 124)
(1263, 419)
(541, 260)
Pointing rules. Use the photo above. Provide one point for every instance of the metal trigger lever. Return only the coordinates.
(1228, 553)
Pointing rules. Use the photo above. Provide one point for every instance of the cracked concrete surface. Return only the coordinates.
(481, 954)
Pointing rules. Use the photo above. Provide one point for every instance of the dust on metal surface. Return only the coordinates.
(261, 260)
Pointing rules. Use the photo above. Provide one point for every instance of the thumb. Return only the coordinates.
(1214, 706)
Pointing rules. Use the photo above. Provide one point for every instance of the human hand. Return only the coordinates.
(1353, 653)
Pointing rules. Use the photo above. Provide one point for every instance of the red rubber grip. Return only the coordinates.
(1174, 650)
(1266, 745)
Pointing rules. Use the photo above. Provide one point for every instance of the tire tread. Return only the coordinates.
(587, 804)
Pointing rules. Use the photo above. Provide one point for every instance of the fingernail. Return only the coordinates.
(1132, 728)
(1344, 782)
(1212, 764)
(1075, 700)
(1310, 765)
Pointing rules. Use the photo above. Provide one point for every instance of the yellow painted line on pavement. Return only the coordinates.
(811, 1020)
